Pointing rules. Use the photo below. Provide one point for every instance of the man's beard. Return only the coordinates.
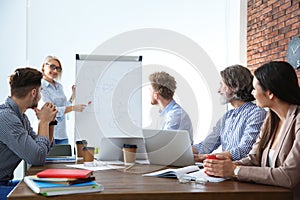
(34, 102)
(226, 98)
(154, 102)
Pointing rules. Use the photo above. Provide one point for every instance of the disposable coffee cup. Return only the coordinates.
(88, 154)
(129, 153)
(79, 145)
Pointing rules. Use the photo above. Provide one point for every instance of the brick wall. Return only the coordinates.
(271, 25)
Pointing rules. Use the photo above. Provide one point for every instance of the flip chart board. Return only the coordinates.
(111, 87)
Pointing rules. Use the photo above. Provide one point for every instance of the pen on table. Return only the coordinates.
(129, 167)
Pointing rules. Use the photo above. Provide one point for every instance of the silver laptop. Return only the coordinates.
(111, 148)
(168, 147)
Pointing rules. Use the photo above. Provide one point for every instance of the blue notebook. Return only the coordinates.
(52, 189)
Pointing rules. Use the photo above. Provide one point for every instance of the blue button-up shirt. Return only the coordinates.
(175, 118)
(56, 96)
(18, 141)
(236, 131)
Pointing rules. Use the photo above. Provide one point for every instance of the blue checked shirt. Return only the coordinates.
(175, 118)
(18, 140)
(236, 131)
(59, 99)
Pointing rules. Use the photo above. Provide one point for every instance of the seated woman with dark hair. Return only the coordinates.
(274, 158)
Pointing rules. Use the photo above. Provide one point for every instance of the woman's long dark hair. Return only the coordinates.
(280, 78)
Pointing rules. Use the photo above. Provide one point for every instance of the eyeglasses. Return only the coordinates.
(187, 179)
(53, 67)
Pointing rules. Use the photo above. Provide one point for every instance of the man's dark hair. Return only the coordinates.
(23, 80)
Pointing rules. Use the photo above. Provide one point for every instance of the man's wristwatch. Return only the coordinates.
(53, 123)
(236, 171)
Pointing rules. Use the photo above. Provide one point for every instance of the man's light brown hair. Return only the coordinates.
(163, 83)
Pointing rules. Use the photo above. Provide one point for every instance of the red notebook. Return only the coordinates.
(65, 173)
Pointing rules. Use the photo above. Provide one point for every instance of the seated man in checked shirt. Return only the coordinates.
(18, 141)
(238, 129)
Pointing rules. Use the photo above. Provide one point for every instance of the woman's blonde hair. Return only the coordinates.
(49, 58)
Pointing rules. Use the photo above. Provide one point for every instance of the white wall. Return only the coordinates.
(12, 40)
(33, 29)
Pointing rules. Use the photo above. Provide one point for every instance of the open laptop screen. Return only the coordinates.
(168, 147)
(111, 148)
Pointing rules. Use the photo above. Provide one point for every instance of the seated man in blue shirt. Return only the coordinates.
(238, 129)
(18, 141)
(173, 116)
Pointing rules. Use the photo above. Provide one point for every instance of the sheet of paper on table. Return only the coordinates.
(99, 165)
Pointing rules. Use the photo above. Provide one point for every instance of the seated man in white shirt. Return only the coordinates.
(162, 90)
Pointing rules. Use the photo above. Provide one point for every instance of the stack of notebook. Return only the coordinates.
(52, 182)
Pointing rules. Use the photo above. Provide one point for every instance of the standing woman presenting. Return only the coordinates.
(52, 91)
